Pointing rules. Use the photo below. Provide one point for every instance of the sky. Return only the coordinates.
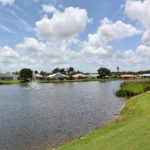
(86, 35)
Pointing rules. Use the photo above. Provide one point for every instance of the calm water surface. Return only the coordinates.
(34, 119)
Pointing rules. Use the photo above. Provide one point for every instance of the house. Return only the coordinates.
(93, 75)
(8, 76)
(39, 76)
(128, 76)
(57, 76)
(80, 76)
(143, 76)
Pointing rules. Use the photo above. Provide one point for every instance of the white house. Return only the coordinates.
(8, 76)
(128, 76)
(57, 76)
(93, 75)
(39, 76)
(143, 75)
(80, 76)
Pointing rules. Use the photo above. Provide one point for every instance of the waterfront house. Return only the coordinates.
(128, 76)
(39, 76)
(93, 75)
(143, 76)
(8, 76)
(57, 76)
(80, 76)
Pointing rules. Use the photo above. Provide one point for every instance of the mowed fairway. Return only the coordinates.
(129, 131)
(11, 82)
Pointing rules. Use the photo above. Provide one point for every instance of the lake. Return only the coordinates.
(50, 114)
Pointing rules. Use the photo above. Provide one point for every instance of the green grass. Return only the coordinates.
(129, 131)
(2, 82)
(132, 88)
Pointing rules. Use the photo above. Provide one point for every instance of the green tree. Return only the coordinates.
(70, 70)
(36, 72)
(43, 73)
(26, 73)
(59, 70)
(62, 70)
(103, 72)
(56, 70)
(16, 73)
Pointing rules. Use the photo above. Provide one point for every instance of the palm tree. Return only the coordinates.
(118, 69)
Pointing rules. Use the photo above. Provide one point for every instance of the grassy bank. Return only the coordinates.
(2, 82)
(132, 88)
(129, 131)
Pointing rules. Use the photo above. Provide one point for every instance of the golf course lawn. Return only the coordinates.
(11, 82)
(129, 131)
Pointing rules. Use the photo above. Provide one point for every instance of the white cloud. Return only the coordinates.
(63, 25)
(47, 53)
(8, 52)
(144, 51)
(30, 44)
(134, 58)
(7, 2)
(146, 37)
(128, 58)
(96, 50)
(60, 33)
(49, 9)
(90, 50)
(97, 43)
(8, 56)
(138, 10)
(109, 31)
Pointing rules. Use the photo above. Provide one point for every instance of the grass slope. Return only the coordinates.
(129, 131)
(11, 82)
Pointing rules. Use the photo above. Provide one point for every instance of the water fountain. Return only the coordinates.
(33, 84)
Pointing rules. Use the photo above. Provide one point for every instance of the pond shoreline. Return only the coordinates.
(2, 82)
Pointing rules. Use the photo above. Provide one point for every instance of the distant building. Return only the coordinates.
(80, 76)
(8, 76)
(128, 76)
(143, 76)
(39, 76)
(93, 75)
(57, 76)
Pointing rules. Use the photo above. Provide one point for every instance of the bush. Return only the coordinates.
(128, 89)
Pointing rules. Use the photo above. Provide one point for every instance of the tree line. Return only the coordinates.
(103, 72)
